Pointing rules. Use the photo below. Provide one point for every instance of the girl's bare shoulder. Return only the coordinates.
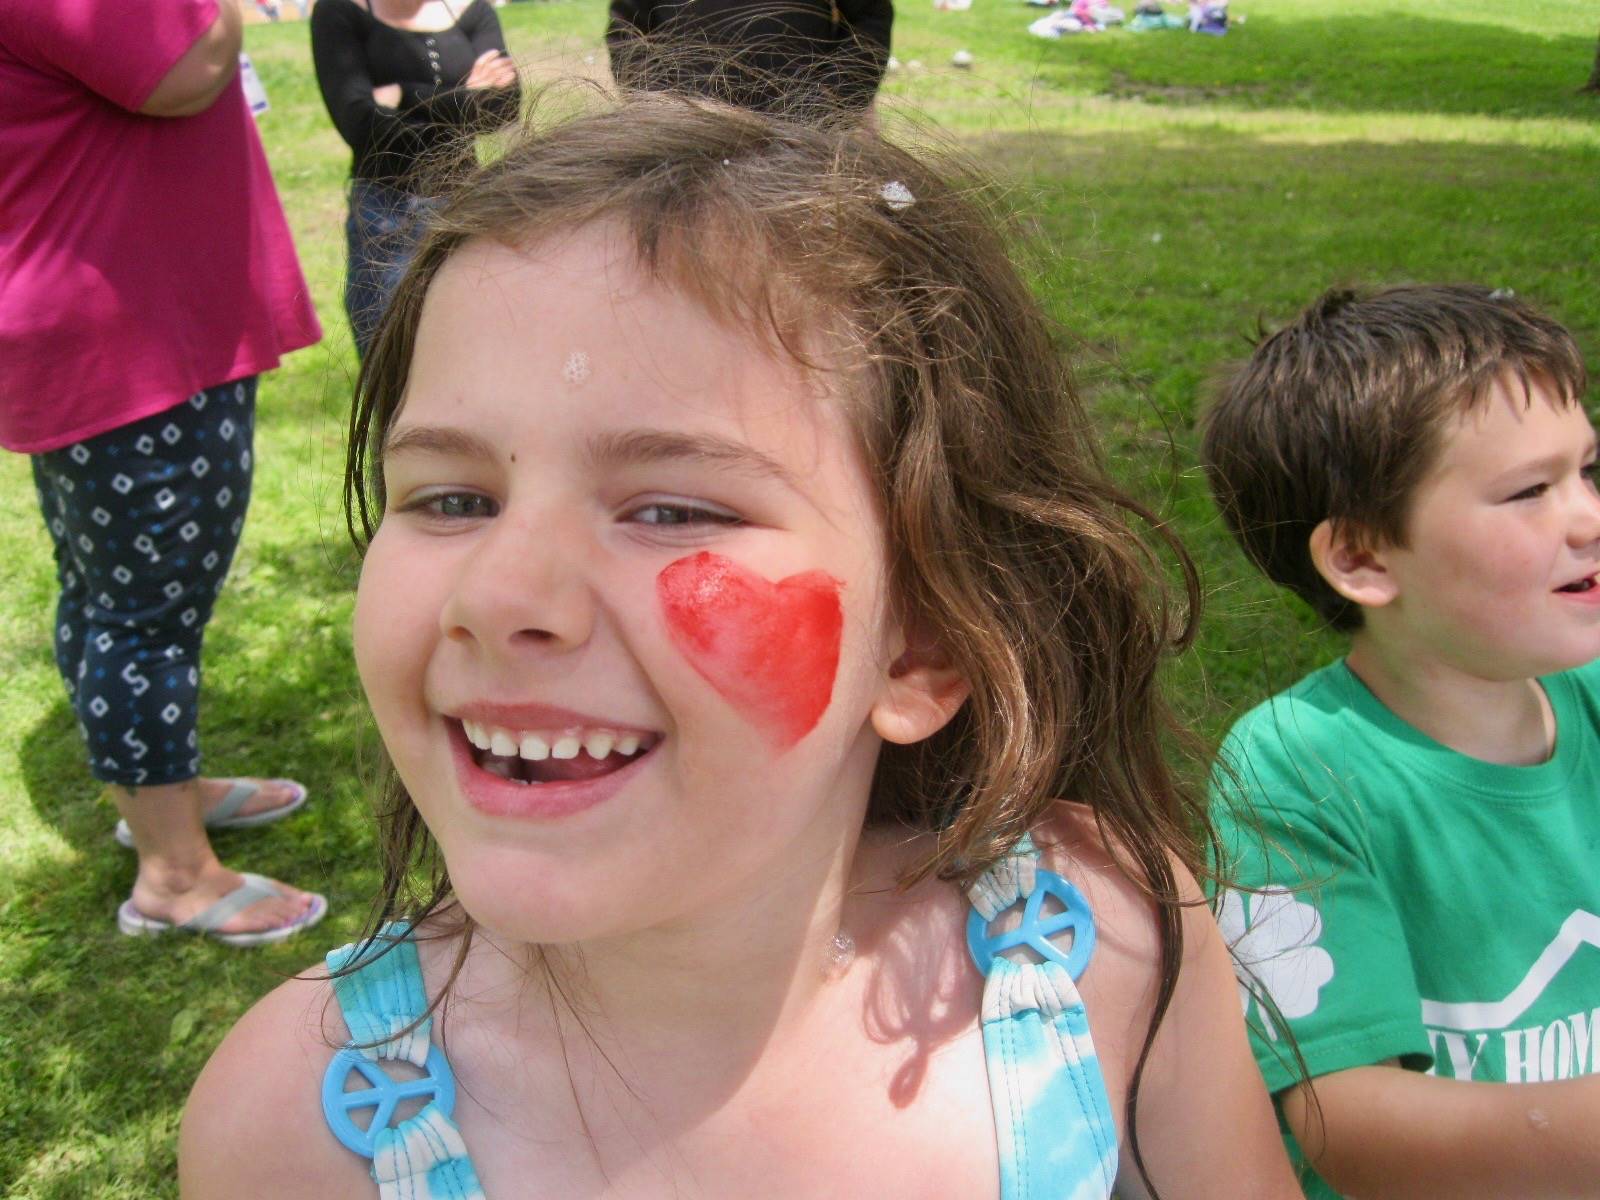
(1073, 845)
(1122, 982)
(253, 1123)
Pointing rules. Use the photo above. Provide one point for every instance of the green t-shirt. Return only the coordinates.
(1418, 904)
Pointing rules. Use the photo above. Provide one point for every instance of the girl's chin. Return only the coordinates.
(513, 915)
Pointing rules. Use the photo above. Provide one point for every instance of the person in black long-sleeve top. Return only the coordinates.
(804, 58)
(407, 83)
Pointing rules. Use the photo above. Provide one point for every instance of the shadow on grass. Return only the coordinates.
(1402, 64)
(104, 1034)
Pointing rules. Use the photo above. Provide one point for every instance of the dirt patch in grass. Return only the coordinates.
(1125, 87)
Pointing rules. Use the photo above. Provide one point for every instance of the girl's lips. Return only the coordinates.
(497, 797)
(1584, 583)
(1587, 597)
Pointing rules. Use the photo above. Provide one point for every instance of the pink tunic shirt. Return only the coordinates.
(141, 258)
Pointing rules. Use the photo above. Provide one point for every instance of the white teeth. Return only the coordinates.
(497, 766)
(536, 747)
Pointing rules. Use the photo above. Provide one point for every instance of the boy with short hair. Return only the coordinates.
(1418, 825)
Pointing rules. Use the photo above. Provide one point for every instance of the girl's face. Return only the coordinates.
(623, 626)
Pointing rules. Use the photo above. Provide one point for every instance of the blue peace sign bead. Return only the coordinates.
(1036, 931)
(382, 1094)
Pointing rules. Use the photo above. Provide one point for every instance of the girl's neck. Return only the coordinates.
(1509, 722)
(706, 995)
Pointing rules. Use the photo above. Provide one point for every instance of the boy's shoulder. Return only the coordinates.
(253, 1124)
(1328, 724)
(1325, 716)
(1324, 753)
(1582, 695)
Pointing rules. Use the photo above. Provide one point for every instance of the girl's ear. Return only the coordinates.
(921, 692)
(1355, 570)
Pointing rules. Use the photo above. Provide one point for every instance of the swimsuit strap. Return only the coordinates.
(383, 1001)
(1053, 1122)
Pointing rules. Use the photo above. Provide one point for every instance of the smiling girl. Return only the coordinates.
(757, 644)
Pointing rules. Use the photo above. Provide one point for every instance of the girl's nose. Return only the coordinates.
(522, 587)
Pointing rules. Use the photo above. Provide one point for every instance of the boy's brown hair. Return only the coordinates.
(1341, 413)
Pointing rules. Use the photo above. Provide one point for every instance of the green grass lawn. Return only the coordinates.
(1175, 189)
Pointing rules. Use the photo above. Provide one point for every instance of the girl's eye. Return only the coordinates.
(681, 515)
(454, 506)
(1531, 493)
(465, 504)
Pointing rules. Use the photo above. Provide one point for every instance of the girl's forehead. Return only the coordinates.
(584, 282)
(579, 310)
(572, 330)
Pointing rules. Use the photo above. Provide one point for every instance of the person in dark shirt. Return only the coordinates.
(407, 83)
(811, 59)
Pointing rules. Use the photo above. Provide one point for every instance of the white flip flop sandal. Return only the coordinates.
(226, 814)
(254, 888)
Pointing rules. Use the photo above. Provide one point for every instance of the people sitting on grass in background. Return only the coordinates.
(751, 628)
(1208, 16)
(1416, 823)
(1152, 14)
(1096, 13)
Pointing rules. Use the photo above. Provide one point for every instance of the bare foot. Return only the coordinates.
(168, 900)
(271, 793)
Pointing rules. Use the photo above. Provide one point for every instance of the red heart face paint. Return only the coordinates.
(769, 649)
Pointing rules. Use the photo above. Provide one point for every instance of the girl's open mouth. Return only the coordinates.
(1580, 585)
(554, 755)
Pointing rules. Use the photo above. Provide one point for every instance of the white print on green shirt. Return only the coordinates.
(1481, 1040)
(1273, 937)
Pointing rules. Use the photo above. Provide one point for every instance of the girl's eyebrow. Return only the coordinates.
(436, 439)
(605, 451)
(611, 450)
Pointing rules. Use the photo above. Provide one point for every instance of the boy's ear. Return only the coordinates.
(921, 692)
(1352, 568)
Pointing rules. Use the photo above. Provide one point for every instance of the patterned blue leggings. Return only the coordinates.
(145, 520)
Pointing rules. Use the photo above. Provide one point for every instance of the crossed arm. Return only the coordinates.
(398, 125)
(206, 68)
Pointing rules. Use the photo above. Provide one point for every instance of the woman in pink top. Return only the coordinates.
(146, 279)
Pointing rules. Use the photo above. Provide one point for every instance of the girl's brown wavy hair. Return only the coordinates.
(1008, 545)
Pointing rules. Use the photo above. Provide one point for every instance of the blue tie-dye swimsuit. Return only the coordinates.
(1053, 1122)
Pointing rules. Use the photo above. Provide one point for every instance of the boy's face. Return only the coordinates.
(1498, 577)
